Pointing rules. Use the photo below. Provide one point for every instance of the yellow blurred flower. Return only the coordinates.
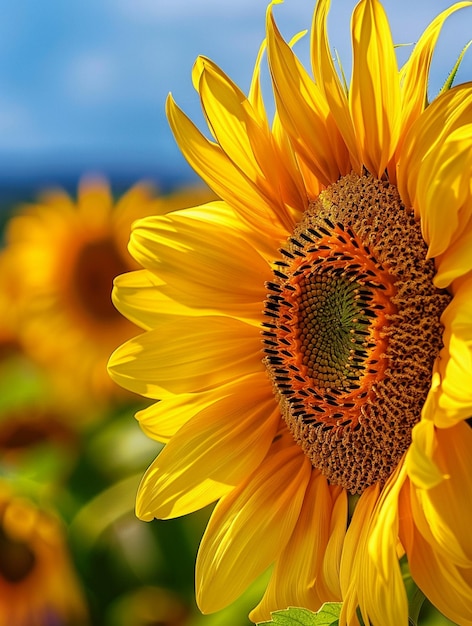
(341, 246)
(37, 431)
(58, 264)
(38, 585)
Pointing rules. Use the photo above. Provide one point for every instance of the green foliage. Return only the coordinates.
(452, 74)
(328, 615)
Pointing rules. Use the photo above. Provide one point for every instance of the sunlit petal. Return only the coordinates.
(296, 576)
(218, 447)
(447, 586)
(374, 95)
(186, 354)
(268, 502)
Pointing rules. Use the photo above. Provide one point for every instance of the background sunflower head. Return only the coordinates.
(59, 261)
(37, 582)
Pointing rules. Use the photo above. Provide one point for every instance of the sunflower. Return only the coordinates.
(309, 335)
(38, 585)
(60, 258)
(33, 420)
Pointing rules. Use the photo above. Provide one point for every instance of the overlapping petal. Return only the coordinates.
(434, 168)
(370, 574)
(268, 503)
(186, 354)
(456, 260)
(222, 443)
(446, 585)
(328, 81)
(217, 170)
(374, 94)
(439, 511)
(224, 274)
(239, 130)
(305, 114)
(334, 548)
(355, 544)
(444, 189)
(421, 468)
(415, 72)
(297, 578)
(454, 396)
(163, 419)
(137, 297)
(244, 135)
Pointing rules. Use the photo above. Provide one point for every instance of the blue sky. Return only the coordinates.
(83, 82)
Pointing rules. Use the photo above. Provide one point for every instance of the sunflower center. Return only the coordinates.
(332, 319)
(97, 264)
(353, 329)
(16, 559)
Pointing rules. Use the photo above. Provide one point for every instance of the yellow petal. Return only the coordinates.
(355, 541)
(444, 189)
(251, 526)
(244, 135)
(163, 419)
(441, 512)
(327, 79)
(375, 581)
(444, 115)
(220, 446)
(137, 297)
(456, 260)
(186, 354)
(420, 465)
(415, 72)
(255, 90)
(305, 178)
(295, 580)
(454, 365)
(195, 267)
(213, 165)
(334, 549)
(374, 96)
(447, 586)
(304, 112)
(389, 604)
(235, 125)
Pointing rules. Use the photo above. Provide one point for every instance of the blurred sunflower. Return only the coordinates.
(35, 429)
(8, 312)
(350, 218)
(38, 586)
(60, 258)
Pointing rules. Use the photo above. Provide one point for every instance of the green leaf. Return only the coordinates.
(450, 79)
(328, 615)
